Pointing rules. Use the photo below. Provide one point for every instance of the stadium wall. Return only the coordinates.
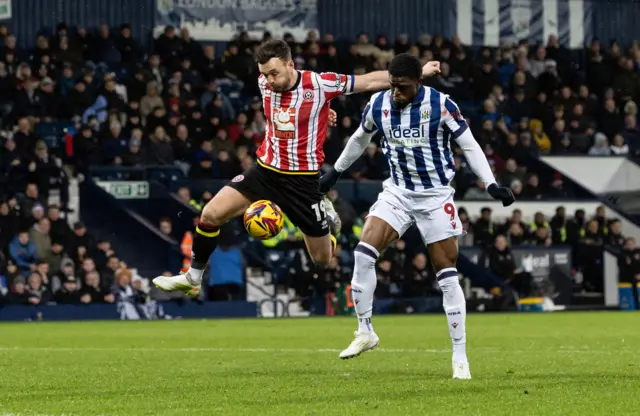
(616, 20)
(610, 20)
(412, 17)
(32, 17)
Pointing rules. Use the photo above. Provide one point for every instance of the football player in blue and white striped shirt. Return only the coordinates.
(417, 124)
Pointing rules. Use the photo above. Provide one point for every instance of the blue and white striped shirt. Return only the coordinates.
(416, 139)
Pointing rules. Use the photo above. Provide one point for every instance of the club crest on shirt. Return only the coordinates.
(307, 95)
(284, 122)
(425, 114)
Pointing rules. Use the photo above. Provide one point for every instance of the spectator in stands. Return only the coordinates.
(67, 270)
(101, 253)
(152, 99)
(108, 274)
(86, 149)
(125, 295)
(575, 227)
(23, 252)
(558, 226)
(80, 238)
(38, 293)
(166, 226)
(540, 137)
(19, 295)
(389, 284)
(614, 237)
(398, 256)
(60, 230)
(601, 218)
(9, 225)
(590, 257)
(503, 265)
(539, 221)
(68, 293)
(39, 235)
(43, 269)
(93, 291)
(134, 155)
(419, 281)
(629, 265)
(28, 201)
(483, 229)
(477, 192)
(601, 146)
(533, 190)
(57, 255)
(618, 146)
(512, 173)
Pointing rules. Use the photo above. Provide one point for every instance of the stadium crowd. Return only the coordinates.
(83, 98)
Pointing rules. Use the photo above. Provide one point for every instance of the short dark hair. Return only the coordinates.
(273, 49)
(405, 65)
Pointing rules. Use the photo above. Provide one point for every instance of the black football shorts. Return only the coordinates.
(298, 196)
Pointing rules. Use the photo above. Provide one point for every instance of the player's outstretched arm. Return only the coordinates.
(480, 166)
(379, 80)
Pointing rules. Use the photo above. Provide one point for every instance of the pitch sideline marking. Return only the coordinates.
(561, 349)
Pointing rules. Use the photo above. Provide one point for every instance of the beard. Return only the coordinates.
(284, 86)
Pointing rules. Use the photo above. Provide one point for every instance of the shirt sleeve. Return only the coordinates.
(367, 123)
(335, 84)
(475, 157)
(452, 120)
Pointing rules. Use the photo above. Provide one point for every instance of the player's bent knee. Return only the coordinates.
(211, 216)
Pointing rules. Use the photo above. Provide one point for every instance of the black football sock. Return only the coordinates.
(204, 242)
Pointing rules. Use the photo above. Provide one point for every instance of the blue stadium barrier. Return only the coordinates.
(238, 309)
(626, 298)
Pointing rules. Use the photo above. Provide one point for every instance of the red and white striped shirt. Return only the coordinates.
(297, 121)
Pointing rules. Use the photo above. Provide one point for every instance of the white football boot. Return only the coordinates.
(179, 283)
(461, 371)
(364, 341)
(335, 223)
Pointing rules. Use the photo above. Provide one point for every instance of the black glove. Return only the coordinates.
(328, 180)
(501, 193)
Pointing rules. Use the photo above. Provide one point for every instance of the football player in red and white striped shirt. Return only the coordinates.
(296, 108)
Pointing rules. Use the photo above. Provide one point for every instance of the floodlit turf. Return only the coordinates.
(524, 364)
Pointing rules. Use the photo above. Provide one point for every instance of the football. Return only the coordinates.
(263, 220)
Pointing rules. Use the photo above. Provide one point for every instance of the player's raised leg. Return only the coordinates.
(440, 229)
(225, 205)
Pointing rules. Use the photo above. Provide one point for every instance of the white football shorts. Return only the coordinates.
(433, 211)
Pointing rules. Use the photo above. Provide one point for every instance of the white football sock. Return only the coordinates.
(455, 307)
(195, 275)
(363, 284)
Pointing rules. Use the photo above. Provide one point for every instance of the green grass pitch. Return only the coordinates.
(522, 364)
